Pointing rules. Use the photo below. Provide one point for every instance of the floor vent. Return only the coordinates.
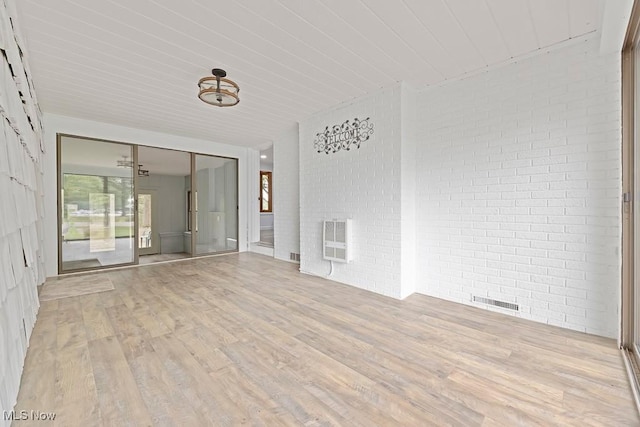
(294, 256)
(502, 304)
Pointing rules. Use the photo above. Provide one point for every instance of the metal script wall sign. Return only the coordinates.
(344, 136)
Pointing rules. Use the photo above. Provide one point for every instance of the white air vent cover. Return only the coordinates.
(336, 238)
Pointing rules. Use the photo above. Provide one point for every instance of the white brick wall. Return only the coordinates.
(518, 188)
(408, 166)
(362, 184)
(286, 190)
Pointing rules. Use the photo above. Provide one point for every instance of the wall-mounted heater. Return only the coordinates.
(336, 240)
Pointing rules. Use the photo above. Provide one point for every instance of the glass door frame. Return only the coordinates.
(193, 200)
(629, 338)
(60, 202)
(194, 203)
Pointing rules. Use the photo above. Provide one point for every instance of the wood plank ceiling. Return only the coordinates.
(137, 63)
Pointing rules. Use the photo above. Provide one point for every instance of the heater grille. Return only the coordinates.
(294, 256)
(502, 304)
(336, 237)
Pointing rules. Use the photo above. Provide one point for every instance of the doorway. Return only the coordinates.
(265, 188)
(163, 178)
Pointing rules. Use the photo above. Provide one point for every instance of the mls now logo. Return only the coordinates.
(28, 416)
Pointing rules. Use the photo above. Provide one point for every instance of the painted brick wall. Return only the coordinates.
(362, 184)
(518, 188)
(286, 199)
(408, 170)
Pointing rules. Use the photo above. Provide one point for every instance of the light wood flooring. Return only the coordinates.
(244, 339)
(72, 286)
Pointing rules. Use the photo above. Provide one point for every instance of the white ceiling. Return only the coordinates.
(266, 162)
(137, 63)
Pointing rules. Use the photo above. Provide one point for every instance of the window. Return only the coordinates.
(266, 201)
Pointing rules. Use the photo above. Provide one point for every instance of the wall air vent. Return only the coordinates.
(336, 240)
(294, 256)
(501, 304)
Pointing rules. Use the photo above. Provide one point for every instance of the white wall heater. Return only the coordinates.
(336, 238)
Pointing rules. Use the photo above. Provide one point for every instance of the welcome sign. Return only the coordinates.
(344, 136)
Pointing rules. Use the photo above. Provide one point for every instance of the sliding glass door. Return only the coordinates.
(96, 204)
(632, 207)
(112, 211)
(630, 295)
(216, 204)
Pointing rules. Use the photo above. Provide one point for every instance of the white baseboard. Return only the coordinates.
(263, 250)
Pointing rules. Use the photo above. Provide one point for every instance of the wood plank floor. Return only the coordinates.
(245, 339)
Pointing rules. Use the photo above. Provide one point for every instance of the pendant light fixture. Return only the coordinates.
(142, 172)
(125, 162)
(218, 90)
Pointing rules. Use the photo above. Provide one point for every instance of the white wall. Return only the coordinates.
(266, 220)
(362, 184)
(203, 180)
(518, 188)
(230, 176)
(286, 194)
(252, 175)
(172, 201)
(408, 165)
(266, 164)
(21, 255)
(55, 124)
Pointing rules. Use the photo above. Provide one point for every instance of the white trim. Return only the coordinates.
(262, 250)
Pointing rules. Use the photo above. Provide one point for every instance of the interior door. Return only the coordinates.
(148, 236)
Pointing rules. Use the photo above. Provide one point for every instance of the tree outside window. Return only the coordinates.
(266, 200)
